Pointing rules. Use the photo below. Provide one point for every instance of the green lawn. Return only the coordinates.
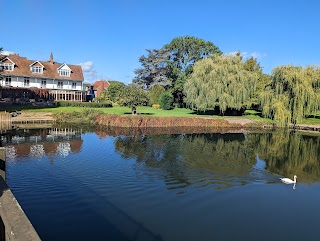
(120, 110)
(149, 111)
(311, 121)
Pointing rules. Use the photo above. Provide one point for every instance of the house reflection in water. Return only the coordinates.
(38, 143)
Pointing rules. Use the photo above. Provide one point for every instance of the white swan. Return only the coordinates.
(288, 180)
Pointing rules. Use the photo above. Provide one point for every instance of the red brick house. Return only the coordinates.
(100, 86)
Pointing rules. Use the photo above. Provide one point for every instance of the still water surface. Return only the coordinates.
(76, 185)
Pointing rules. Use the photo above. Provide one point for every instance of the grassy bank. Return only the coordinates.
(147, 121)
(76, 114)
(148, 117)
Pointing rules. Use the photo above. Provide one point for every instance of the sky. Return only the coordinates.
(107, 37)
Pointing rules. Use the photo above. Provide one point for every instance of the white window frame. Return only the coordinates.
(26, 81)
(64, 72)
(60, 85)
(8, 67)
(37, 69)
(44, 83)
(74, 85)
(8, 81)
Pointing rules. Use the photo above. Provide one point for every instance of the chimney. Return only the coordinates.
(51, 58)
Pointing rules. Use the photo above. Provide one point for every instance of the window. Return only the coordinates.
(43, 83)
(74, 85)
(37, 69)
(26, 81)
(7, 66)
(60, 84)
(64, 72)
(8, 81)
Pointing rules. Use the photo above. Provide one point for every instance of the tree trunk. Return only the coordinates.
(134, 110)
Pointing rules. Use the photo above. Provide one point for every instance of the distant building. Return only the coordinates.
(60, 80)
(100, 86)
(96, 89)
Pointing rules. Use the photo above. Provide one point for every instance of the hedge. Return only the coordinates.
(84, 104)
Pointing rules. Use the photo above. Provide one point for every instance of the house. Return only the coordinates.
(59, 81)
(100, 86)
(95, 90)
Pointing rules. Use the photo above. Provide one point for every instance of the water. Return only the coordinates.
(76, 185)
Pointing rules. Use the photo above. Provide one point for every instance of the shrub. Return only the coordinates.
(87, 116)
(84, 104)
(155, 94)
(166, 100)
(156, 106)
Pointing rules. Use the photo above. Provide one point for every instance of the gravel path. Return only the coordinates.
(33, 116)
(241, 121)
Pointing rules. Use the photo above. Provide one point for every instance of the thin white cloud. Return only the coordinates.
(89, 72)
(87, 66)
(258, 55)
(5, 52)
(245, 55)
(234, 53)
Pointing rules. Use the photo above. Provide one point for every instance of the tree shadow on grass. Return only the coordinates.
(313, 116)
(139, 113)
(209, 112)
(218, 113)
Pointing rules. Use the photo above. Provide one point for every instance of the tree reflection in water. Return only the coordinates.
(224, 160)
(288, 153)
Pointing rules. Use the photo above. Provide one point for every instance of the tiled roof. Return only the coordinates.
(7, 61)
(100, 86)
(22, 68)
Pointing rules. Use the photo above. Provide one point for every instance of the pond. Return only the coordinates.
(100, 185)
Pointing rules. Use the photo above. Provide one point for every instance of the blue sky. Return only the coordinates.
(107, 37)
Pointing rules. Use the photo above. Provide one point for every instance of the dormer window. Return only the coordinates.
(7, 66)
(64, 70)
(36, 67)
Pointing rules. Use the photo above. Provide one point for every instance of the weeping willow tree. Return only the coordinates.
(221, 82)
(293, 94)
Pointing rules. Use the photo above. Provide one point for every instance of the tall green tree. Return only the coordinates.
(293, 94)
(221, 82)
(186, 50)
(154, 69)
(172, 64)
